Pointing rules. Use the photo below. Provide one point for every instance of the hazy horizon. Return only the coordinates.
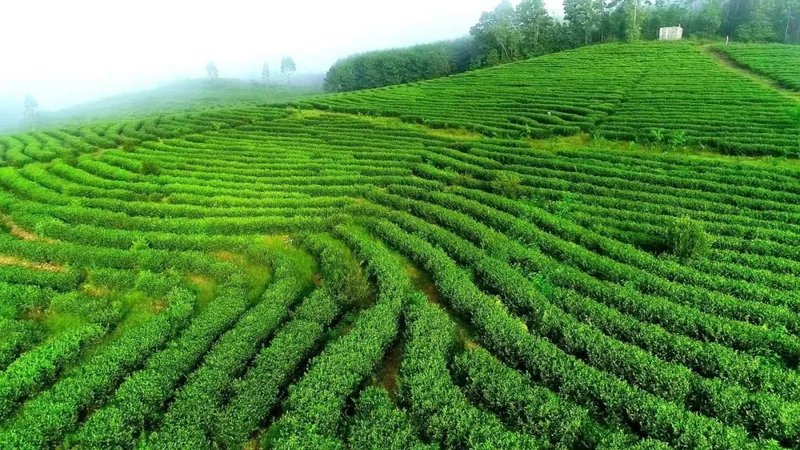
(67, 53)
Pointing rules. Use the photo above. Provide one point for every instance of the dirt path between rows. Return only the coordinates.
(733, 66)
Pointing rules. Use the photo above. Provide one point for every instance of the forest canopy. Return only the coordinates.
(404, 65)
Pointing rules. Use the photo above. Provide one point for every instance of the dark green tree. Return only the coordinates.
(581, 15)
(404, 65)
(709, 20)
(759, 28)
(498, 30)
(535, 25)
(436, 64)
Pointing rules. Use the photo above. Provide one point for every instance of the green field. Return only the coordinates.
(564, 252)
(618, 91)
(778, 62)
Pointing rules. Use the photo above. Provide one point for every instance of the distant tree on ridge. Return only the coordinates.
(213, 72)
(30, 111)
(265, 73)
(288, 67)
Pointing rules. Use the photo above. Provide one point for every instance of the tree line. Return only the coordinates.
(508, 34)
(403, 65)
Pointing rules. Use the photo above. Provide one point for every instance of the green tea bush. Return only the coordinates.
(507, 184)
(687, 239)
(149, 168)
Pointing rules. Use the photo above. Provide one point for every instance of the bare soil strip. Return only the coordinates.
(21, 233)
(6, 260)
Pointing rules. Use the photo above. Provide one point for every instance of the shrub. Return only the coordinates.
(507, 184)
(149, 168)
(687, 239)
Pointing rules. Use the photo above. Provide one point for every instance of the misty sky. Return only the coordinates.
(68, 51)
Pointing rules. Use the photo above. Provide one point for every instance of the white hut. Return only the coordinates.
(670, 33)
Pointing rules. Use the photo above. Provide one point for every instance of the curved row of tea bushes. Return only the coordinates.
(48, 417)
(583, 384)
(312, 417)
(189, 420)
(614, 90)
(546, 268)
(377, 423)
(343, 285)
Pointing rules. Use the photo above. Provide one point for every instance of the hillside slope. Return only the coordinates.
(297, 278)
(776, 61)
(617, 91)
(171, 97)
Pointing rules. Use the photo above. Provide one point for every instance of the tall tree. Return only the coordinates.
(265, 73)
(30, 111)
(691, 7)
(737, 12)
(710, 19)
(581, 15)
(790, 13)
(211, 70)
(602, 19)
(534, 23)
(633, 19)
(759, 28)
(497, 30)
(288, 68)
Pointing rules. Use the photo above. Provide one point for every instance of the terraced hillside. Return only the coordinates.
(619, 91)
(777, 61)
(294, 278)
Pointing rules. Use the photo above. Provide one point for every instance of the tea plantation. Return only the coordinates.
(778, 62)
(469, 262)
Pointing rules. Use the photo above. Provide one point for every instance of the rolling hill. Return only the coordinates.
(172, 97)
(618, 91)
(478, 261)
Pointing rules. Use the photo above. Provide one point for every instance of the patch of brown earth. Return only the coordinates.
(96, 291)
(273, 239)
(391, 369)
(45, 267)
(199, 280)
(33, 314)
(205, 287)
(347, 329)
(228, 256)
(252, 444)
(424, 284)
(21, 233)
(156, 306)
